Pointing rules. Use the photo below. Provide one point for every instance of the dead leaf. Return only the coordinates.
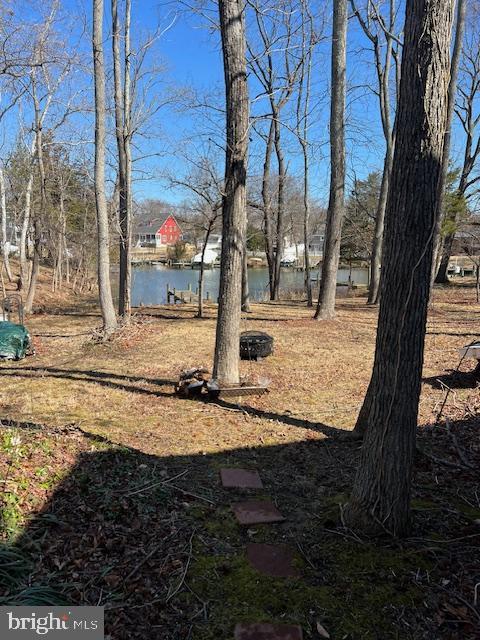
(323, 633)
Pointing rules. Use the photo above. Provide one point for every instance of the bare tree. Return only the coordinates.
(336, 205)
(234, 209)
(467, 113)
(309, 40)
(380, 32)
(122, 120)
(276, 67)
(380, 500)
(207, 190)
(103, 257)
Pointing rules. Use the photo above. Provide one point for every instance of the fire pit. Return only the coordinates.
(255, 344)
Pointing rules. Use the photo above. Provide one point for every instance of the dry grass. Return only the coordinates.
(124, 390)
(89, 514)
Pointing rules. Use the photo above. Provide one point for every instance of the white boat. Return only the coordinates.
(209, 258)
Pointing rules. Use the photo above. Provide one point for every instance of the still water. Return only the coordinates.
(149, 285)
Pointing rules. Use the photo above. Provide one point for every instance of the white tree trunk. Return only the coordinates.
(3, 209)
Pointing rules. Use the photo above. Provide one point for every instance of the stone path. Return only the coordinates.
(275, 560)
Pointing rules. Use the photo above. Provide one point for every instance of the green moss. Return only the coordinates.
(222, 524)
(355, 597)
(374, 581)
(238, 593)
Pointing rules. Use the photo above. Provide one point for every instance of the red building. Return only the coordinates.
(162, 230)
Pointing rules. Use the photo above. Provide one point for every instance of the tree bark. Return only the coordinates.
(24, 267)
(377, 246)
(103, 257)
(245, 289)
(280, 204)
(202, 271)
(122, 107)
(3, 209)
(380, 500)
(336, 205)
(232, 27)
(267, 221)
(41, 214)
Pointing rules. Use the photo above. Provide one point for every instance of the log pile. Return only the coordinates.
(193, 383)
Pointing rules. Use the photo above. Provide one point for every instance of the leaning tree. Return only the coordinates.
(380, 499)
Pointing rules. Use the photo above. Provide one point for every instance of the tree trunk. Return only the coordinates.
(103, 257)
(24, 267)
(280, 204)
(202, 272)
(3, 210)
(232, 27)
(379, 228)
(452, 92)
(41, 214)
(122, 104)
(37, 249)
(336, 204)
(306, 225)
(267, 221)
(245, 289)
(380, 500)
(127, 109)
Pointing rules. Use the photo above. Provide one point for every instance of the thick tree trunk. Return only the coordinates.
(336, 204)
(232, 27)
(103, 257)
(3, 212)
(380, 500)
(452, 92)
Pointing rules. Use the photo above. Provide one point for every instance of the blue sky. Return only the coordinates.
(190, 57)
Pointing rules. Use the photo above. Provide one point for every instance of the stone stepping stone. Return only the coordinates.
(267, 631)
(274, 560)
(256, 512)
(241, 479)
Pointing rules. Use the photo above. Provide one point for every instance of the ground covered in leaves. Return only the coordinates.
(111, 492)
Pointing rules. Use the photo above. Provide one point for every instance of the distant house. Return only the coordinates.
(315, 245)
(159, 231)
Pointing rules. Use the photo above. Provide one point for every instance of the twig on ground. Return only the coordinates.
(156, 484)
(184, 574)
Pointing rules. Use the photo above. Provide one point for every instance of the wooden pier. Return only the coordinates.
(184, 295)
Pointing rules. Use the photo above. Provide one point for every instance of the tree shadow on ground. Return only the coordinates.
(121, 382)
(154, 540)
(102, 378)
(454, 379)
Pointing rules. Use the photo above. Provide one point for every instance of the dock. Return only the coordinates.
(184, 295)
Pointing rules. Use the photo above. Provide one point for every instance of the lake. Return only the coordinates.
(149, 283)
